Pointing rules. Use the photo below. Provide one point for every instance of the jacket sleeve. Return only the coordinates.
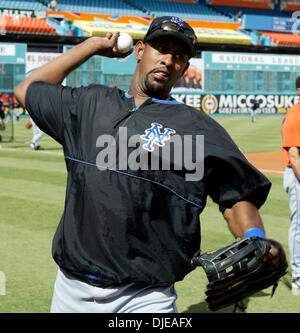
(229, 176)
(50, 106)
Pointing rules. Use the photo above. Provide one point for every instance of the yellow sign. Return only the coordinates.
(101, 27)
(221, 36)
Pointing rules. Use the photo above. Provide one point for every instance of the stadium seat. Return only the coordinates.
(232, 11)
(290, 5)
(186, 10)
(25, 4)
(283, 38)
(112, 7)
(30, 25)
(186, 1)
(267, 4)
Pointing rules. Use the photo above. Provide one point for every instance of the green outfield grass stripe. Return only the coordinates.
(54, 152)
(264, 135)
(29, 269)
(29, 214)
(31, 155)
(19, 163)
(41, 176)
(36, 191)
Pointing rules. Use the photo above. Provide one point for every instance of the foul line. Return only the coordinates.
(33, 151)
(271, 171)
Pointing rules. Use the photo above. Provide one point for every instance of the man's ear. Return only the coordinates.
(298, 91)
(139, 50)
(185, 68)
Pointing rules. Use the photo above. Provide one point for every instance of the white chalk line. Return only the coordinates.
(271, 171)
(60, 153)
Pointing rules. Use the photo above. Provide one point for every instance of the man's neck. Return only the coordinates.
(141, 97)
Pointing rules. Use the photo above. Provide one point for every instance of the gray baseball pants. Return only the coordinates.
(75, 296)
(292, 186)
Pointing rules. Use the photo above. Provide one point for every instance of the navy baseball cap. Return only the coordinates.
(173, 26)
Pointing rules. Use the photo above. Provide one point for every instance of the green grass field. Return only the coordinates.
(32, 199)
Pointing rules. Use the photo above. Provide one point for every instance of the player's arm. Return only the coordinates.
(55, 71)
(244, 216)
(294, 158)
(241, 217)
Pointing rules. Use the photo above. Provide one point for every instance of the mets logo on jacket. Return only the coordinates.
(154, 136)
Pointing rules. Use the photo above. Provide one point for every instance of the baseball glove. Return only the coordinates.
(237, 270)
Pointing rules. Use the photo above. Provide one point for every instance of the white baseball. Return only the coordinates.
(124, 42)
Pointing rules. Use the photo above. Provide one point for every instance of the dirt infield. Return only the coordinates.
(269, 163)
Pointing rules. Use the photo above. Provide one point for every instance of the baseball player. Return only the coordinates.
(253, 110)
(291, 158)
(128, 234)
(2, 116)
(37, 134)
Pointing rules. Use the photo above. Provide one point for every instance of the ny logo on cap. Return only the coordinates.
(177, 20)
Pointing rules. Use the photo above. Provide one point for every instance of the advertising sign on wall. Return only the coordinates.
(192, 80)
(37, 59)
(227, 104)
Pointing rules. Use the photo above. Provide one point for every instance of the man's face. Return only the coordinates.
(163, 61)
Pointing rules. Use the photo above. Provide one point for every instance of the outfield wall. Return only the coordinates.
(232, 104)
(237, 104)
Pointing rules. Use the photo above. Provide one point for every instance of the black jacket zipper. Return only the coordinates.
(116, 121)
